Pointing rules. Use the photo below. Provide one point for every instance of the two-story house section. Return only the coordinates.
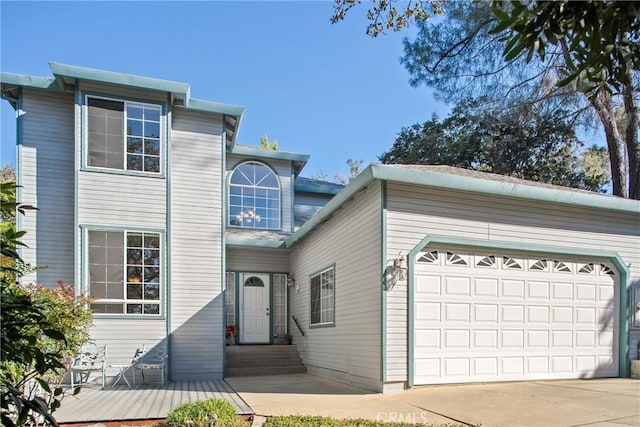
(187, 240)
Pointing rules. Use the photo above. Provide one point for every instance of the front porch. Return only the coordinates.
(146, 402)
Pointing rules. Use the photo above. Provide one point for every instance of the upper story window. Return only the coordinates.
(254, 197)
(123, 135)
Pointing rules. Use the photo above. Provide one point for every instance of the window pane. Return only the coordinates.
(134, 308)
(134, 162)
(134, 145)
(151, 240)
(134, 240)
(101, 308)
(151, 291)
(152, 113)
(151, 257)
(134, 111)
(134, 128)
(104, 133)
(98, 290)
(104, 104)
(134, 274)
(134, 256)
(152, 130)
(151, 274)
(134, 291)
(151, 309)
(152, 164)
(152, 146)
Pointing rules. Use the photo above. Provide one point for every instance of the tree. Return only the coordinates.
(355, 167)
(266, 145)
(524, 143)
(41, 331)
(581, 58)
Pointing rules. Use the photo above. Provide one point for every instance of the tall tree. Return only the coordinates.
(583, 57)
(524, 143)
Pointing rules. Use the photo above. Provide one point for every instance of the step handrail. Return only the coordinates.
(297, 324)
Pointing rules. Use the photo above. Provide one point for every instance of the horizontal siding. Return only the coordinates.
(122, 343)
(46, 168)
(415, 212)
(197, 340)
(351, 239)
(282, 169)
(257, 260)
(121, 200)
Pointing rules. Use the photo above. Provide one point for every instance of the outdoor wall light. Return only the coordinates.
(291, 281)
(400, 267)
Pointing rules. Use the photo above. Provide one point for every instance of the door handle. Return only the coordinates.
(267, 311)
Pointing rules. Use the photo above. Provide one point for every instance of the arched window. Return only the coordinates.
(254, 197)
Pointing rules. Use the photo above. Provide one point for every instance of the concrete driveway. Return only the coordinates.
(601, 402)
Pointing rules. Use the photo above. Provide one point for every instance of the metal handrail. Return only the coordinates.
(297, 324)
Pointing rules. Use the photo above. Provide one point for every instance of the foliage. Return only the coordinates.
(202, 413)
(461, 57)
(41, 330)
(525, 143)
(355, 167)
(383, 14)
(266, 145)
(313, 421)
(600, 39)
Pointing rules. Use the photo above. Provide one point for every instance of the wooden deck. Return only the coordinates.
(142, 403)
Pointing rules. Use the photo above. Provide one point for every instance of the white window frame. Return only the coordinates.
(230, 216)
(124, 301)
(332, 294)
(125, 170)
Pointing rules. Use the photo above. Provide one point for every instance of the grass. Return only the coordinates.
(309, 421)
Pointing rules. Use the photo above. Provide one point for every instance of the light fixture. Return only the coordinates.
(400, 267)
(291, 281)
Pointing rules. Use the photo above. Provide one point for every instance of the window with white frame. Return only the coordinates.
(323, 297)
(254, 197)
(124, 272)
(123, 135)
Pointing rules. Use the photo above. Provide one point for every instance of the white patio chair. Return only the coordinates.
(154, 359)
(90, 358)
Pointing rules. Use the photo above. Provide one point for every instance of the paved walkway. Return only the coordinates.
(602, 402)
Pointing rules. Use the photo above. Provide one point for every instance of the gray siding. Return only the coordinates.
(197, 337)
(282, 169)
(351, 239)
(415, 212)
(257, 260)
(46, 171)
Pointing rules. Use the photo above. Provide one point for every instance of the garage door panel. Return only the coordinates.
(495, 317)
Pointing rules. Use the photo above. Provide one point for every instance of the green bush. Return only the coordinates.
(203, 413)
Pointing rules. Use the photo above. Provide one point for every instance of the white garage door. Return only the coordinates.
(497, 316)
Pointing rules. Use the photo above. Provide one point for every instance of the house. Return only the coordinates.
(409, 275)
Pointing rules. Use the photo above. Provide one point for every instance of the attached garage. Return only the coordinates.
(499, 315)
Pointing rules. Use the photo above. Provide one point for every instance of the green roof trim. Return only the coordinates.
(29, 81)
(248, 150)
(505, 189)
(84, 73)
(256, 243)
(215, 107)
(468, 184)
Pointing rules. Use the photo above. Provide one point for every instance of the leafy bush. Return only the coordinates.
(41, 330)
(203, 413)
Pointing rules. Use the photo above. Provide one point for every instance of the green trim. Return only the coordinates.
(383, 282)
(256, 243)
(168, 268)
(236, 278)
(293, 198)
(465, 184)
(271, 308)
(247, 150)
(215, 107)
(286, 323)
(613, 257)
(520, 190)
(29, 81)
(78, 239)
(19, 165)
(335, 296)
(305, 185)
(223, 249)
(83, 73)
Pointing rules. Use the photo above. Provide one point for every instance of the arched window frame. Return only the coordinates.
(268, 217)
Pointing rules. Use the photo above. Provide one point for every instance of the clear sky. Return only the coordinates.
(320, 89)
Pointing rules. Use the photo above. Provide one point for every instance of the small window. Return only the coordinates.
(587, 269)
(254, 197)
(560, 267)
(487, 261)
(124, 272)
(428, 258)
(455, 259)
(323, 297)
(605, 269)
(509, 263)
(123, 135)
(254, 282)
(539, 265)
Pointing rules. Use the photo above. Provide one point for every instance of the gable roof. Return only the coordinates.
(459, 179)
(65, 76)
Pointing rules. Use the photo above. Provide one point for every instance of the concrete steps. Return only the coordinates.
(250, 360)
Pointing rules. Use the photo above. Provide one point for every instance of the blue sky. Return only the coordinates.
(320, 89)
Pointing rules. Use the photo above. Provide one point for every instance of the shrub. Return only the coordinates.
(203, 413)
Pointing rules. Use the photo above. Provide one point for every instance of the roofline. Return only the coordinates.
(321, 188)
(83, 73)
(505, 189)
(178, 89)
(467, 184)
(256, 243)
(247, 150)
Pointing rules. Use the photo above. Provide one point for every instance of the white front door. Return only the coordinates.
(254, 306)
